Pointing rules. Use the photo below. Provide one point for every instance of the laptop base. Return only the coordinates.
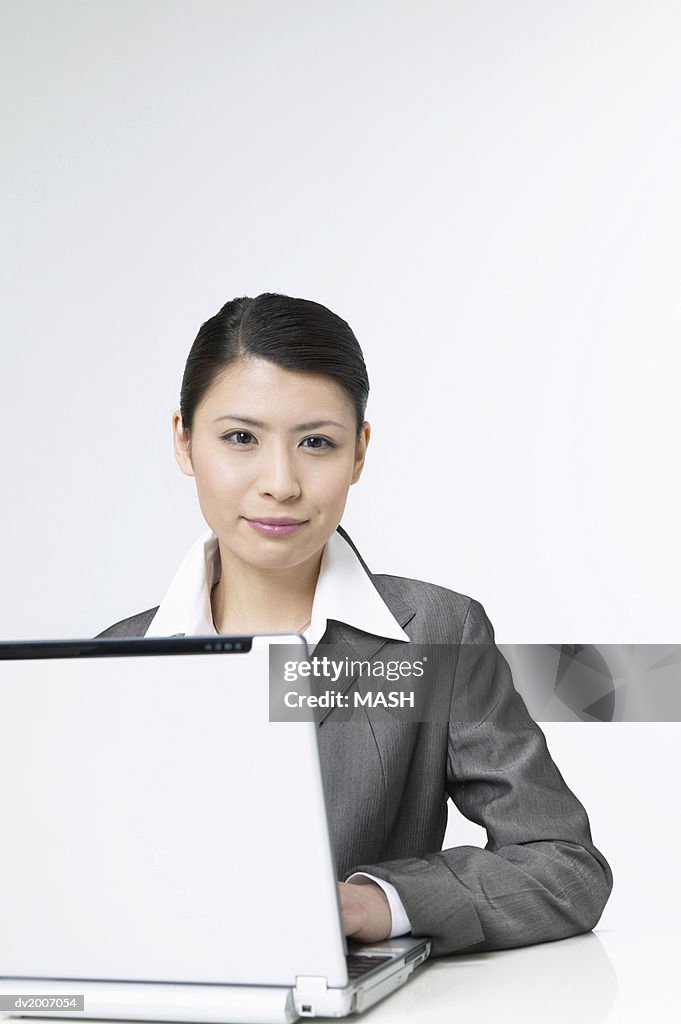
(218, 1004)
(151, 1001)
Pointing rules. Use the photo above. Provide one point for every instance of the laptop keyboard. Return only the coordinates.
(360, 964)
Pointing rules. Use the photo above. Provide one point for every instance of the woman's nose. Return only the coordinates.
(278, 476)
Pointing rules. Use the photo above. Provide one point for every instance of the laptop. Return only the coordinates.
(165, 851)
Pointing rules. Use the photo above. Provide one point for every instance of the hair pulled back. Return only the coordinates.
(296, 334)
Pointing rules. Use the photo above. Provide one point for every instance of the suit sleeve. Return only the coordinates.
(539, 877)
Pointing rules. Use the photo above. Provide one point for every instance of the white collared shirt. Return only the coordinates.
(344, 592)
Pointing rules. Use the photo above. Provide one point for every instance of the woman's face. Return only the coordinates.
(269, 443)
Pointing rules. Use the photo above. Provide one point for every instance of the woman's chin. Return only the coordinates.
(265, 553)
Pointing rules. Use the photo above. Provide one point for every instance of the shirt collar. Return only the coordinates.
(344, 592)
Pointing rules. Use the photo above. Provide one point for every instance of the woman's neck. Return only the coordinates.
(251, 600)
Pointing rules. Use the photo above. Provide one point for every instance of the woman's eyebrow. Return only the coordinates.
(312, 425)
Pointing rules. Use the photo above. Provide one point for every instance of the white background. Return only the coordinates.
(488, 191)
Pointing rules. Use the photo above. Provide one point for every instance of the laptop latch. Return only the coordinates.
(309, 993)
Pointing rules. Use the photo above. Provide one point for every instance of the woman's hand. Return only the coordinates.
(366, 911)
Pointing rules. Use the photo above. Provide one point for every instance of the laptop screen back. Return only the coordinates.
(156, 825)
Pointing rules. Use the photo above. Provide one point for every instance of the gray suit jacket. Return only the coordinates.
(388, 779)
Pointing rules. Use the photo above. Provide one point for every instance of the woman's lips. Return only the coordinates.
(275, 529)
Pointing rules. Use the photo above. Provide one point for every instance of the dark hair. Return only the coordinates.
(296, 334)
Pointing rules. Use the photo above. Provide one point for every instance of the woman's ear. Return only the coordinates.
(360, 452)
(182, 445)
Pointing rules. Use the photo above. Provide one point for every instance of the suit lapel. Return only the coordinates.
(341, 640)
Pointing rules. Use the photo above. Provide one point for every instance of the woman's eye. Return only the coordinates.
(324, 442)
(241, 437)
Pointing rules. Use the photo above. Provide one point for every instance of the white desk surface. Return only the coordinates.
(620, 976)
(628, 975)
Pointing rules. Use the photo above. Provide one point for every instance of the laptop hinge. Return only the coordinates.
(309, 995)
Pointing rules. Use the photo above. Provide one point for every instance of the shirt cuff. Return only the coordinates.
(401, 924)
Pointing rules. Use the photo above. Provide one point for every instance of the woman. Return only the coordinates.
(271, 426)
